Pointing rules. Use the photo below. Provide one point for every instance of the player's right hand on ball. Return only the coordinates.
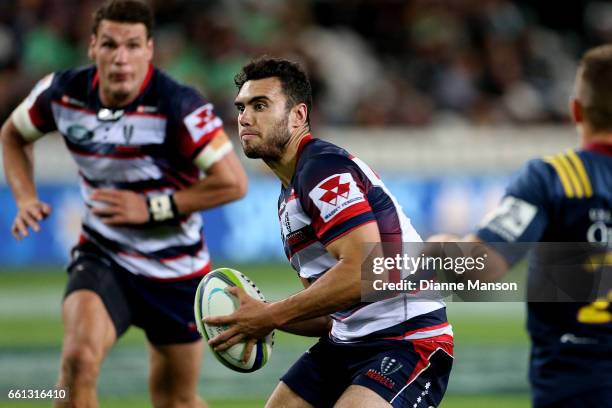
(29, 215)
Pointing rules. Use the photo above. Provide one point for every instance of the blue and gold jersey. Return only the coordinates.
(563, 198)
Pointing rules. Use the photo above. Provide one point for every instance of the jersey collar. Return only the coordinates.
(305, 140)
(603, 148)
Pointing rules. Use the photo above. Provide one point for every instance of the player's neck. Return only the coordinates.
(602, 137)
(284, 168)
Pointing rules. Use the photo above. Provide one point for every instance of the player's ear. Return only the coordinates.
(91, 52)
(576, 110)
(299, 115)
(150, 48)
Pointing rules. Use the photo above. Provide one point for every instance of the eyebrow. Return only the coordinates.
(105, 37)
(253, 100)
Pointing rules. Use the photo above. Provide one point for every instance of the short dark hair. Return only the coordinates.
(124, 11)
(595, 93)
(293, 78)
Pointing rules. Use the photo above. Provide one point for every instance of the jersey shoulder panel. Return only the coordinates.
(569, 177)
(332, 190)
(77, 80)
(524, 211)
(535, 182)
(596, 172)
(34, 116)
(191, 118)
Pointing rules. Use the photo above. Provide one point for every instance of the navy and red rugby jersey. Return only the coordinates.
(148, 147)
(332, 193)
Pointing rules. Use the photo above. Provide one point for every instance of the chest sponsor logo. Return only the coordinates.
(334, 194)
(79, 134)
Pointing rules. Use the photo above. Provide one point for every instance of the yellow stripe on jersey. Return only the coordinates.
(572, 175)
(582, 174)
(567, 187)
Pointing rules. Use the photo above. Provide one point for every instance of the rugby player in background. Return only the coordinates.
(141, 142)
(566, 198)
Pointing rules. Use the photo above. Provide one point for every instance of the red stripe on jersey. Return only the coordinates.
(193, 149)
(307, 139)
(37, 120)
(426, 348)
(419, 330)
(206, 269)
(118, 155)
(70, 106)
(162, 260)
(602, 148)
(354, 210)
(147, 115)
(206, 139)
(349, 230)
(147, 79)
(95, 80)
(294, 250)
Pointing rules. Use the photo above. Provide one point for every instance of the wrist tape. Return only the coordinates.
(162, 208)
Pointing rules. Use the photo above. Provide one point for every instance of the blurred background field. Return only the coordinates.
(444, 98)
(490, 365)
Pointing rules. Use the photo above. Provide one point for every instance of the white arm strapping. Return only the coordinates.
(23, 123)
(21, 115)
(211, 155)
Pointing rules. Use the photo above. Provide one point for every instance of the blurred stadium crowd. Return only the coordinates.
(372, 62)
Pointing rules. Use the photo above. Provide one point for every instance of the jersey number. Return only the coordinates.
(597, 312)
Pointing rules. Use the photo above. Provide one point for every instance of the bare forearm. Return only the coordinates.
(336, 290)
(315, 327)
(18, 164)
(226, 182)
(208, 194)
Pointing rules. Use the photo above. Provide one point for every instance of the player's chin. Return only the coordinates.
(250, 151)
(121, 91)
(252, 155)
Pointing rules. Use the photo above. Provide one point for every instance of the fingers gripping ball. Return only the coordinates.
(212, 300)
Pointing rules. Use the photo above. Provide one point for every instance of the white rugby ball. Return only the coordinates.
(212, 300)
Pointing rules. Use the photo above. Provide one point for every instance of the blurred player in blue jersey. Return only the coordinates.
(567, 198)
(392, 352)
(141, 142)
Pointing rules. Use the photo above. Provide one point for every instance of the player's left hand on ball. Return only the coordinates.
(120, 207)
(250, 322)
